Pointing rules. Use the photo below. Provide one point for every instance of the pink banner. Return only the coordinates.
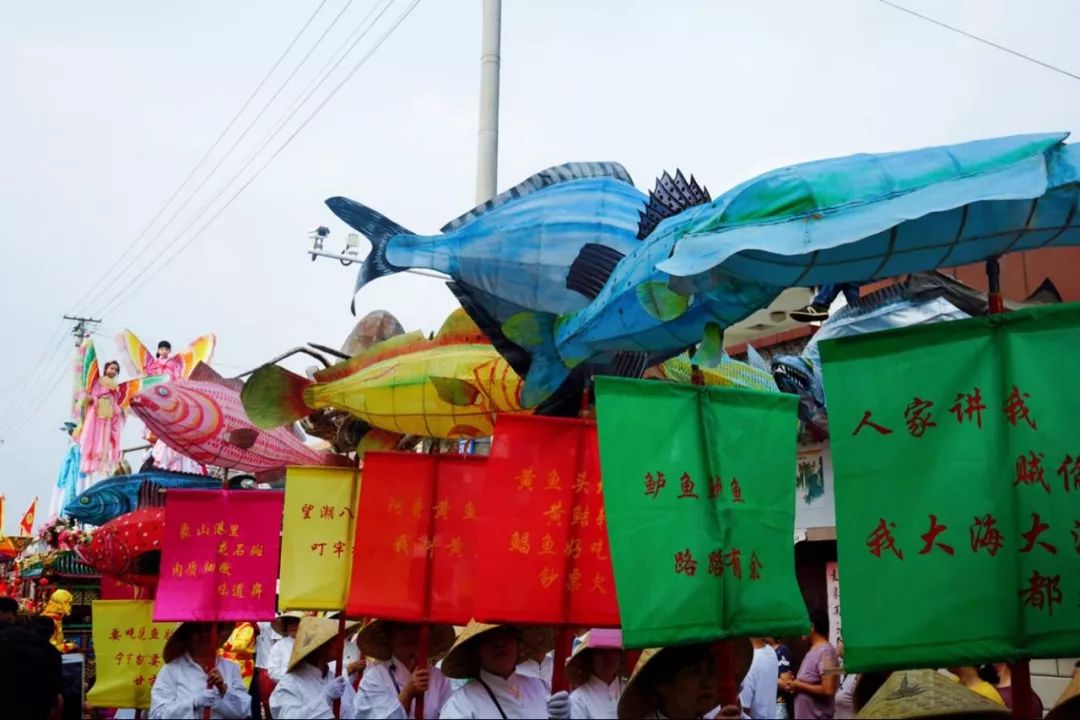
(220, 559)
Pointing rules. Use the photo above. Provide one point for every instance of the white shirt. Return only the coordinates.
(596, 699)
(379, 688)
(845, 697)
(264, 643)
(538, 670)
(300, 694)
(352, 654)
(518, 696)
(183, 680)
(758, 693)
(278, 663)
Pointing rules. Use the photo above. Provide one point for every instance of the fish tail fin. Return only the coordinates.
(710, 352)
(378, 229)
(273, 397)
(547, 371)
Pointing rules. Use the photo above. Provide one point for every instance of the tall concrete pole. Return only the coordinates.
(488, 151)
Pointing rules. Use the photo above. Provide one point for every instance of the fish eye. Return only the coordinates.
(163, 392)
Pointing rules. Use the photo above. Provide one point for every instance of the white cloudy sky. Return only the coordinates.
(106, 106)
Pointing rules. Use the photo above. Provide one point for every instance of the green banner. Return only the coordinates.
(957, 475)
(700, 505)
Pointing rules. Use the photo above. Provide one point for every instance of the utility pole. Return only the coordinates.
(488, 150)
(83, 327)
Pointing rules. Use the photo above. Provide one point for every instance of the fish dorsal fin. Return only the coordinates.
(205, 373)
(545, 178)
(671, 196)
(591, 269)
(460, 329)
(399, 345)
(150, 495)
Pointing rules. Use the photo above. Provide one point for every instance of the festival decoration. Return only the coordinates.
(700, 519)
(128, 645)
(416, 538)
(727, 373)
(514, 252)
(220, 556)
(240, 648)
(26, 523)
(545, 557)
(112, 497)
(448, 387)
(128, 547)
(317, 537)
(867, 217)
(61, 533)
(141, 362)
(58, 608)
(955, 464)
(202, 417)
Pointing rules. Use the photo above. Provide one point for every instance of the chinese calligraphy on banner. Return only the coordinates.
(317, 532)
(832, 599)
(701, 510)
(958, 489)
(128, 646)
(220, 559)
(547, 559)
(416, 537)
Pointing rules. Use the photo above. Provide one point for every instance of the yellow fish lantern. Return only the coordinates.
(449, 386)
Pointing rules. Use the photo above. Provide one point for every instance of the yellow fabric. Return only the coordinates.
(127, 665)
(983, 688)
(317, 535)
(104, 407)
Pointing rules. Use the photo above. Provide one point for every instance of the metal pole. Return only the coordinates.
(488, 150)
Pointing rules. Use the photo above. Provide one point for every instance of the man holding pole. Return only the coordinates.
(186, 689)
(308, 689)
(389, 689)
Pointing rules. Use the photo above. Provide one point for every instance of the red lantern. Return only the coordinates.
(43, 582)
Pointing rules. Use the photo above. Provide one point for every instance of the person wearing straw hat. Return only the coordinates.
(927, 694)
(1068, 705)
(389, 688)
(285, 625)
(308, 690)
(537, 653)
(184, 688)
(673, 682)
(351, 656)
(594, 673)
(487, 656)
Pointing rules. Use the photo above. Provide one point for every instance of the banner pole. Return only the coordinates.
(339, 665)
(423, 651)
(215, 641)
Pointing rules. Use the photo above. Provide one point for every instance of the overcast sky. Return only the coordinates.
(107, 106)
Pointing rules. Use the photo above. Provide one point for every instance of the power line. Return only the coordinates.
(33, 379)
(983, 40)
(147, 276)
(109, 272)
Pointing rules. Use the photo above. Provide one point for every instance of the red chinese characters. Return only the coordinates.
(1030, 471)
(918, 417)
(931, 535)
(1016, 408)
(984, 534)
(1042, 592)
(1038, 527)
(1069, 471)
(866, 422)
(881, 538)
(969, 407)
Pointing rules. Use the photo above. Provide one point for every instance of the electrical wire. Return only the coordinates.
(983, 40)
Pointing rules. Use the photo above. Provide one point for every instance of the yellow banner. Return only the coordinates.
(128, 646)
(317, 537)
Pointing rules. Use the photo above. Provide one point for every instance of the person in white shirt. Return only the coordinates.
(674, 682)
(261, 687)
(488, 655)
(286, 625)
(185, 688)
(352, 657)
(537, 658)
(758, 693)
(595, 673)
(389, 688)
(308, 689)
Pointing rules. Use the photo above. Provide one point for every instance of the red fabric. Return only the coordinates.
(415, 525)
(546, 558)
(113, 589)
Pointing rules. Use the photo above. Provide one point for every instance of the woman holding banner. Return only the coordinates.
(308, 690)
(487, 655)
(184, 689)
(595, 674)
(390, 688)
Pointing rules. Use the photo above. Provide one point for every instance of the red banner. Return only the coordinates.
(546, 558)
(220, 560)
(414, 546)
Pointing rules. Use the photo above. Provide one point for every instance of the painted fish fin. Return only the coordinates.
(242, 438)
(376, 439)
(671, 196)
(453, 391)
(459, 329)
(1046, 294)
(273, 396)
(205, 373)
(397, 345)
(376, 228)
(591, 269)
(754, 360)
(710, 352)
(536, 333)
(629, 363)
(661, 302)
(545, 178)
(475, 303)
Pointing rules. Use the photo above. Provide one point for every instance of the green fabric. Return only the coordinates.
(933, 609)
(729, 434)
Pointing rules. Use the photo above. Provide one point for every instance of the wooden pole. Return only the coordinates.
(423, 650)
(340, 664)
(215, 641)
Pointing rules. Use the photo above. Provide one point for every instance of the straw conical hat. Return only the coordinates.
(537, 637)
(1068, 705)
(461, 661)
(576, 669)
(374, 639)
(175, 646)
(313, 633)
(278, 624)
(927, 694)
